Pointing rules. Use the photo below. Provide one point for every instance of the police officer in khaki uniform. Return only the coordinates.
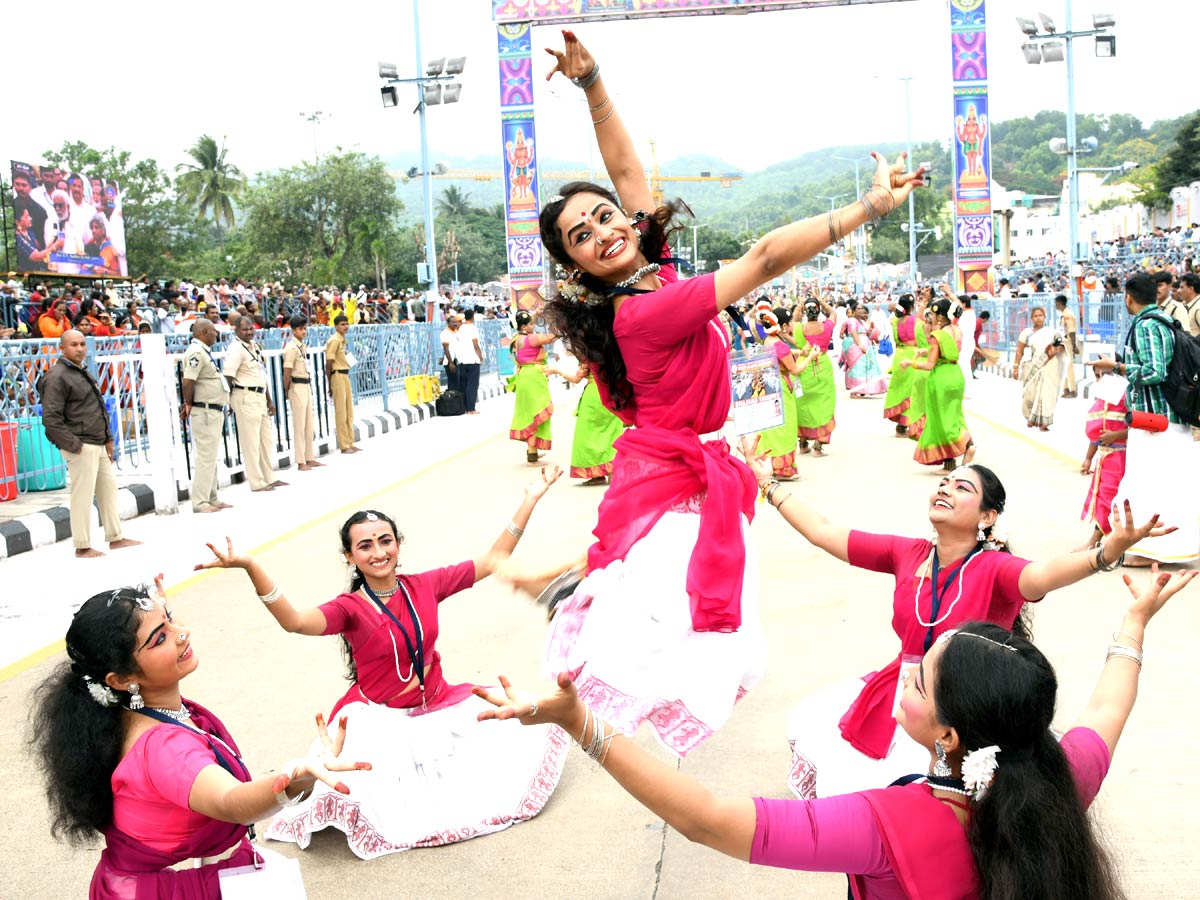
(296, 384)
(252, 405)
(205, 396)
(337, 371)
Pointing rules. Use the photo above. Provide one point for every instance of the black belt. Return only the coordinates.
(299, 381)
(250, 387)
(341, 371)
(219, 407)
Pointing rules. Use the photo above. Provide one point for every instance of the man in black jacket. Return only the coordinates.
(75, 421)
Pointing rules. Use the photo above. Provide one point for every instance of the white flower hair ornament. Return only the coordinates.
(978, 770)
(568, 286)
(997, 534)
(101, 693)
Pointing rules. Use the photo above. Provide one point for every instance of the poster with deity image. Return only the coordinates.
(757, 391)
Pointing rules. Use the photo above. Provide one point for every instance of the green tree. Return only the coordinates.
(210, 183)
(301, 219)
(454, 203)
(1180, 165)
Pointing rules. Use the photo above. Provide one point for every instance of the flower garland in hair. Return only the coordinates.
(766, 317)
(978, 770)
(568, 284)
(997, 535)
(101, 693)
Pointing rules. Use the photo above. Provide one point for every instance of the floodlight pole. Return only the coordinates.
(912, 210)
(426, 178)
(1072, 165)
(860, 251)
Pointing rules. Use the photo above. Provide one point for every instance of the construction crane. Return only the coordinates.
(655, 176)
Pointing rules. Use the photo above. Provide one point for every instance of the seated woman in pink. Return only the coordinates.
(438, 776)
(845, 737)
(158, 776)
(665, 626)
(1002, 812)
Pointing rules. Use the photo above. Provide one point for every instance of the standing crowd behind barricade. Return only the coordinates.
(33, 310)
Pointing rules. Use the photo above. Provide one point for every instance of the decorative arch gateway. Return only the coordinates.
(514, 21)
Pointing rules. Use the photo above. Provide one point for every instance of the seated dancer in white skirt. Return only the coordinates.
(844, 737)
(665, 626)
(439, 776)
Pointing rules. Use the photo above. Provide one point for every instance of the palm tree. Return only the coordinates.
(210, 183)
(453, 203)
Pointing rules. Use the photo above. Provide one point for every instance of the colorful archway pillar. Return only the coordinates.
(517, 134)
(974, 236)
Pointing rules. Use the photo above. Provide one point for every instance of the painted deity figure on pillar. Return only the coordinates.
(520, 155)
(970, 132)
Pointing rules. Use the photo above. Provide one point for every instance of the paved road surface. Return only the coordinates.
(452, 484)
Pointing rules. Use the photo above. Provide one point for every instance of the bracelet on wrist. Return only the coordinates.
(1121, 650)
(764, 487)
(515, 530)
(586, 81)
(1119, 634)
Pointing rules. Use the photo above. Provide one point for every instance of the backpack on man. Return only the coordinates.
(1182, 387)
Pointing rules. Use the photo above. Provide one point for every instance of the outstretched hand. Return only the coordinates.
(759, 463)
(537, 488)
(894, 179)
(1124, 534)
(574, 61)
(227, 560)
(304, 773)
(560, 708)
(1152, 594)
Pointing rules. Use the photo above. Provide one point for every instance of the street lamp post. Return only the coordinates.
(429, 92)
(860, 252)
(912, 210)
(695, 254)
(1048, 47)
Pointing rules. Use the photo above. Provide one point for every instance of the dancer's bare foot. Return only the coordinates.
(88, 553)
(599, 479)
(122, 543)
(804, 447)
(969, 455)
(207, 508)
(817, 451)
(277, 483)
(303, 467)
(1043, 428)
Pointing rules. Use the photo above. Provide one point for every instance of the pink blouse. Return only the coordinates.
(823, 337)
(842, 834)
(528, 353)
(152, 783)
(371, 632)
(987, 588)
(677, 361)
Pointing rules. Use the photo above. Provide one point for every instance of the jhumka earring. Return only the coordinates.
(941, 769)
(135, 696)
(979, 535)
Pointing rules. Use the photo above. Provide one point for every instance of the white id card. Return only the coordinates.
(277, 878)
(351, 361)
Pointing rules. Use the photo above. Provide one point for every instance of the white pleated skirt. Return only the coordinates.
(625, 636)
(824, 764)
(438, 778)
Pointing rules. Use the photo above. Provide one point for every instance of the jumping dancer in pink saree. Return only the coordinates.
(664, 627)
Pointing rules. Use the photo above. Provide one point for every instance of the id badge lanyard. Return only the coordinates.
(415, 653)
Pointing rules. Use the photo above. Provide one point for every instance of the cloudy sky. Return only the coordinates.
(752, 90)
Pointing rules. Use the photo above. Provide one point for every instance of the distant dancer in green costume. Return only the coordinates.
(899, 395)
(533, 409)
(945, 436)
(923, 325)
(817, 398)
(596, 427)
(780, 442)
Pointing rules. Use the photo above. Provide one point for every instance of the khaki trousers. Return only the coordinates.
(254, 436)
(343, 410)
(300, 398)
(92, 475)
(206, 432)
(1070, 381)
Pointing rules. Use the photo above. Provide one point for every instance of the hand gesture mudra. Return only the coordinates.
(759, 463)
(227, 560)
(560, 708)
(1152, 594)
(305, 773)
(1124, 534)
(547, 475)
(574, 61)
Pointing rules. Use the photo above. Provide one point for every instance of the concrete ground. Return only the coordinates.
(452, 485)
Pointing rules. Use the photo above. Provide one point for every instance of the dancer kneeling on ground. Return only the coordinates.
(665, 626)
(844, 737)
(1000, 814)
(158, 776)
(438, 777)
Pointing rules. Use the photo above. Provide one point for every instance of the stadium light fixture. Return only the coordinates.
(1128, 166)
(388, 70)
(1058, 145)
(1033, 53)
(1027, 25)
(1106, 46)
(455, 65)
(1103, 20)
(435, 66)
(451, 92)
(388, 93)
(1047, 23)
(432, 94)
(1089, 145)
(1052, 51)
